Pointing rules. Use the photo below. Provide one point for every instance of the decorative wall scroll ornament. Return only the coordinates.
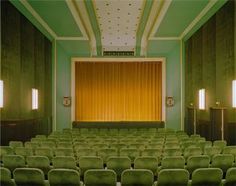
(67, 101)
(170, 101)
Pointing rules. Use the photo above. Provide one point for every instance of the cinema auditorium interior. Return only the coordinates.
(118, 93)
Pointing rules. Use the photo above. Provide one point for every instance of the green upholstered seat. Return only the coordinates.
(211, 151)
(185, 144)
(146, 162)
(173, 144)
(192, 151)
(131, 153)
(13, 161)
(230, 150)
(64, 152)
(137, 177)
(172, 162)
(105, 153)
(118, 146)
(220, 143)
(95, 177)
(15, 144)
(195, 162)
(119, 164)
(44, 151)
(85, 152)
(172, 152)
(38, 140)
(64, 162)
(29, 177)
(204, 144)
(207, 177)
(64, 177)
(5, 178)
(6, 150)
(48, 144)
(136, 145)
(173, 177)
(41, 136)
(223, 161)
(64, 144)
(78, 145)
(154, 152)
(24, 151)
(32, 145)
(154, 146)
(90, 162)
(41, 162)
(230, 178)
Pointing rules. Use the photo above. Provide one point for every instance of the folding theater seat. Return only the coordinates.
(105, 153)
(13, 161)
(187, 144)
(41, 151)
(137, 177)
(204, 144)
(95, 177)
(5, 150)
(118, 164)
(32, 145)
(24, 151)
(223, 161)
(192, 151)
(137, 146)
(15, 144)
(98, 146)
(85, 152)
(5, 178)
(230, 150)
(195, 162)
(146, 162)
(64, 152)
(207, 177)
(64, 162)
(37, 140)
(29, 177)
(172, 145)
(172, 162)
(48, 144)
(220, 143)
(79, 145)
(154, 152)
(131, 153)
(63, 177)
(230, 178)
(173, 177)
(211, 151)
(172, 152)
(64, 144)
(154, 145)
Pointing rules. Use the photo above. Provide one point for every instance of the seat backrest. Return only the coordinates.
(44, 151)
(41, 162)
(48, 144)
(172, 152)
(222, 161)
(64, 152)
(90, 162)
(207, 176)
(106, 153)
(6, 150)
(85, 152)
(32, 145)
(173, 162)
(5, 178)
(64, 162)
(146, 162)
(95, 177)
(230, 178)
(177, 177)
(154, 152)
(211, 151)
(230, 150)
(131, 153)
(29, 176)
(58, 177)
(15, 144)
(137, 177)
(220, 143)
(192, 151)
(195, 162)
(24, 151)
(13, 161)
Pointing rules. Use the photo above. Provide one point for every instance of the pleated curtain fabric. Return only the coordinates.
(118, 91)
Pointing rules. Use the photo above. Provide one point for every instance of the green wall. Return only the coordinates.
(25, 64)
(210, 62)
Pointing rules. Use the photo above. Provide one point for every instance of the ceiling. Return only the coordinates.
(94, 26)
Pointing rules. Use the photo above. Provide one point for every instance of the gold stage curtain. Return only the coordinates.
(118, 91)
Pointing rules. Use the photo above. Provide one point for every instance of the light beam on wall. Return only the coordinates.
(234, 93)
(1, 94)
(34, 99)
(201, 99)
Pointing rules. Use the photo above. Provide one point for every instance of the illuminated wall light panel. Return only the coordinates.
(1, 94)
(34, 99)
(234, 93)
(202, 99)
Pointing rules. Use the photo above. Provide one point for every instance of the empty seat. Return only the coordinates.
(131, 153)
(32, 145)
(172, 152)
(100, 178)
(154, 152)
(173, 177)
(5, 178)
(230, 150)
(48, 144)
(64, 144)
(220, 143)
(60, 177)
(41, 162)
(24, 151)
(223, 161)
(211, 151)
(137, 177)
(90, 162)
(85, 152)
(64, 162)
(64, 152)
(172, 162)
(13, 161)
(106, 153)
(29, 177)
(15, 144)
(192, 151)
(146, 162)
(41, 151)
(207, 177)
(230, 178)
(204, 144)
(195, 162)
(6, 150)
(174, 144)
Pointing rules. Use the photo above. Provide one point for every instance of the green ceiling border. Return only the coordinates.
(31, 18)
(142, 24)
(94, 23)
(205, 18)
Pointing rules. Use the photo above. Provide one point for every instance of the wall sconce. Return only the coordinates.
(34, 99)
(202, 105)
(234, 93)
(1, 93)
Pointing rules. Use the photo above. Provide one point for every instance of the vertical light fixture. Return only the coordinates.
(201, 99)
(1, 93)
(34, 99)
(234, 93)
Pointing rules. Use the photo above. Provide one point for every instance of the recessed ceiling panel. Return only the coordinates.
(118, 21)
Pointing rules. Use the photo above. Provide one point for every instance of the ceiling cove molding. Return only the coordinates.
(160, 17)
(82, 11)
(165, 38)
(38, 18)
(72, 38)
(198, 18)
(155, 11)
